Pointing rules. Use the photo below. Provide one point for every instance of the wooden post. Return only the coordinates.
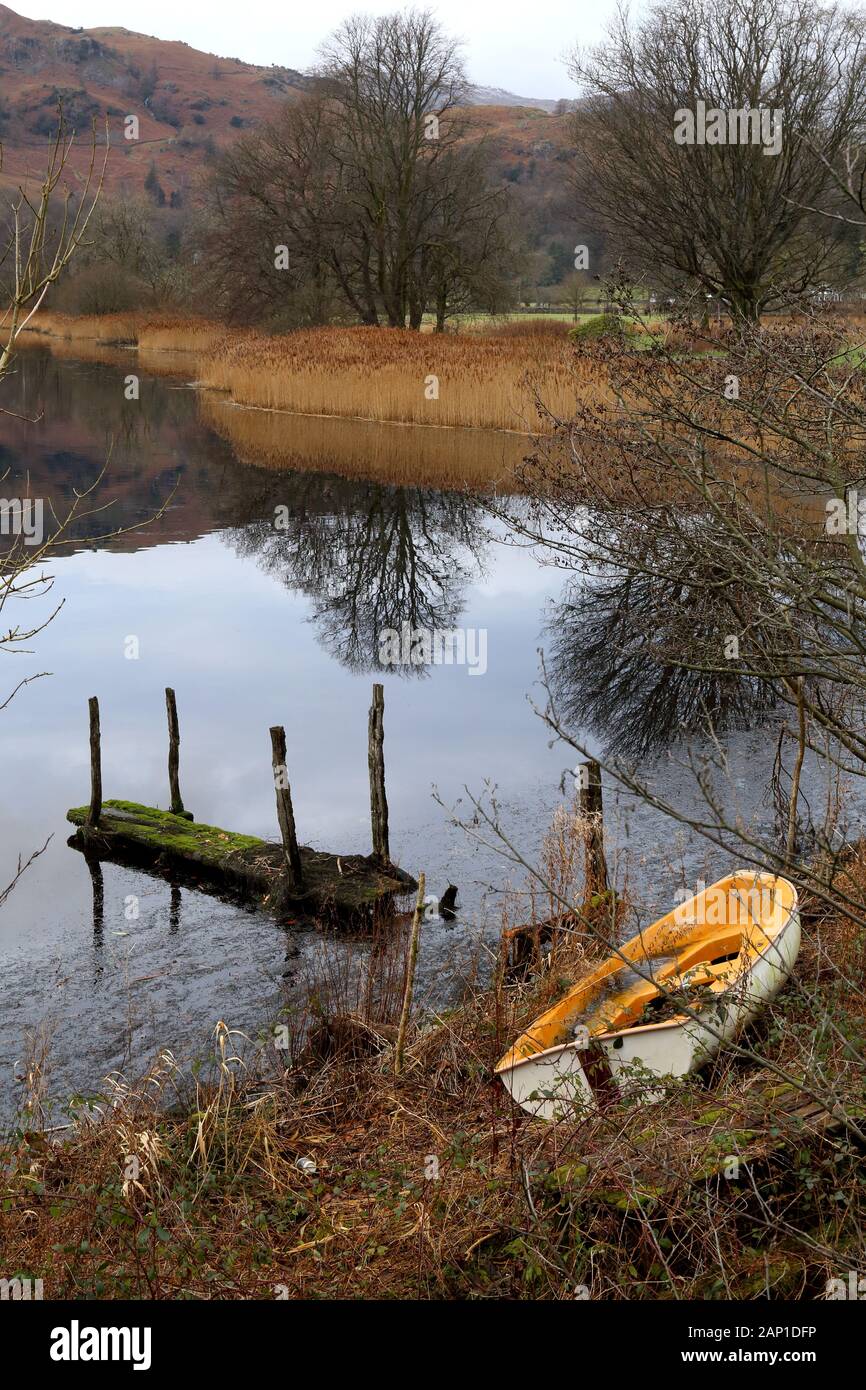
(593, 811)
(174, 755)
(410, 976)
(285, 812)
(95, 764)
(376, 763)
(791, 838)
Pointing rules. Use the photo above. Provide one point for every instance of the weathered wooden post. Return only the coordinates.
(593, 812)
(95, 764)
(410, 976)
(285, 812)
(376, 763)
(174, 756)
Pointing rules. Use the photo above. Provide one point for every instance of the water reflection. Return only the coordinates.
(97, 883)
(269, 627)
(613, 640)
(370, 558)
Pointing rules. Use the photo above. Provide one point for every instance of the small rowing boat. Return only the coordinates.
(665, 1003)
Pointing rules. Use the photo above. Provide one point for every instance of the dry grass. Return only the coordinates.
(181, 335)
(98, 328)
(337, 400)
(136, 328)
(337, 1178)
(373, 374)
(485, 381)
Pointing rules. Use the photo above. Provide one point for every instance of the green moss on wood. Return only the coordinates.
(338, 884)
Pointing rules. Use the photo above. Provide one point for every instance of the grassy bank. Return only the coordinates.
(329, 1175)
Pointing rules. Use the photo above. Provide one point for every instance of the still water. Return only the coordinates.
(253, 625)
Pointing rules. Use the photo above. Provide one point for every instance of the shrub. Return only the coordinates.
(599, 326)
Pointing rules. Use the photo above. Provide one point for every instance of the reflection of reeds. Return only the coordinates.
(103, 328)
(366, 449)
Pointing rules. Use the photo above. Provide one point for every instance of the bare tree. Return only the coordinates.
(724, 493)
(370, 184)
(39, 239)
(731, 208)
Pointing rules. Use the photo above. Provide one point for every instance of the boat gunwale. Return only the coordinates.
(676, 1022)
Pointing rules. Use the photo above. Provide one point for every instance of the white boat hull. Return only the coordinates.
(555, 1083)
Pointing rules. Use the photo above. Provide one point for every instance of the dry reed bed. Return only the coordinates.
(133, 328)
(480, 381)
(376, 374)
(97, 328)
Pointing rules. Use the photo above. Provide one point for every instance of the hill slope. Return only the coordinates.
(190, 104)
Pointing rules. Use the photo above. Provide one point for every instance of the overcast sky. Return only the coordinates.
(509, 43)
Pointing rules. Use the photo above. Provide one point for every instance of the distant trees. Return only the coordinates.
(369, 182)
(574, 292)
(153, 186)
(134, 257)
(729, 211)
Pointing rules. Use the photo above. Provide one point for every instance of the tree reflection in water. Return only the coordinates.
(626, 658)
(369, 557)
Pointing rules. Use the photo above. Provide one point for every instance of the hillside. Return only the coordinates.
(189, 104)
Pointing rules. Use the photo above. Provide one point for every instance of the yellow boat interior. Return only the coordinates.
(701, 949)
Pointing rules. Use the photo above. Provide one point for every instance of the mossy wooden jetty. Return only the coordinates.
(352, 889)
(341, 886)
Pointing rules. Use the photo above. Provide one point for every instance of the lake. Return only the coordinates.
(255, 623)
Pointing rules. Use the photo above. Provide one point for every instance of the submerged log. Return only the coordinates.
(344, 888)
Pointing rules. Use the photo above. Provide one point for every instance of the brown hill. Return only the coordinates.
(190, 104)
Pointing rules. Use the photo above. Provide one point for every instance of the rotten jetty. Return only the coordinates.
(279, 877)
